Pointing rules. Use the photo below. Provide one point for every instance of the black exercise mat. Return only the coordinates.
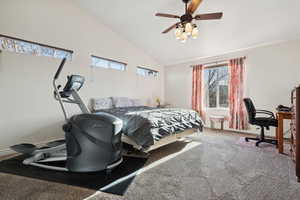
(94, 181)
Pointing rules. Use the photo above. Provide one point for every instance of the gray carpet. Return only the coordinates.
(218, 169)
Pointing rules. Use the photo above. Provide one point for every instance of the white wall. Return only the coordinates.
(271, 72)
(28, 111)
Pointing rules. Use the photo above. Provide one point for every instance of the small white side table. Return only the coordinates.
(217, 119)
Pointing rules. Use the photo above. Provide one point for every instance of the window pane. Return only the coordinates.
(118, 66)
(7, 44)
(46, 51)
(146, 72)
(97, 62)
(107, 63)
(61, 54)
(223, 86)
(155, 74)
(140, 72)
(210, 76)
(216, 87)
(223, 96)
(19, 46)
(212, 96)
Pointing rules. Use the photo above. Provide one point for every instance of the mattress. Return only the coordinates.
(144, 125)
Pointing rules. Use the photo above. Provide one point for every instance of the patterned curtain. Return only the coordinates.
(198, 90)
(238, 116)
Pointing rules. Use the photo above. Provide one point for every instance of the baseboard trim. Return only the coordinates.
(244, 133)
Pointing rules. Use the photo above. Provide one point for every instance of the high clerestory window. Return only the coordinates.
(142, 71)
(108, 63)
(17, 45)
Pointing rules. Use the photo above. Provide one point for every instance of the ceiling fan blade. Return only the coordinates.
(193, 6)
(209, 16)
(171, 27)
(166, 15)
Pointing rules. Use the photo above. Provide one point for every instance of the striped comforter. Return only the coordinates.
(144, 125)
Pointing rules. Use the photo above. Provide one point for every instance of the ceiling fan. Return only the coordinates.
(185, 28)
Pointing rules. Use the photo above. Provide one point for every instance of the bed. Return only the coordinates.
(147, 128)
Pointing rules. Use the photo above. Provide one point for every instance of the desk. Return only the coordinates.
(280, 116)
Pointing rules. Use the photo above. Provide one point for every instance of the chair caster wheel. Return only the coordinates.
(246, 139)
(257, 143)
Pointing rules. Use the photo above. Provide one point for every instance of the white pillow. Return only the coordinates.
(119, 102)
(136, 102)
(102, 103)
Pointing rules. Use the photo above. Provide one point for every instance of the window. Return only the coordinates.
(108, 63)
(146, 72)
(16, 45)
(216, 86)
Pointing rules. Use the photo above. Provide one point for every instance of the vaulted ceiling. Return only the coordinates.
(245, 23)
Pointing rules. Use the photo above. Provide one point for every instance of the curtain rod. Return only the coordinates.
(217, 62)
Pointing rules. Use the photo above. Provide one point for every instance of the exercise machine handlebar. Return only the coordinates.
(60, 68)
(56, 88)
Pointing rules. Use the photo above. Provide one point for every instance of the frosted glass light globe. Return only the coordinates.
(178, 33)
(195, 33)
(188, 28)
(183, 37)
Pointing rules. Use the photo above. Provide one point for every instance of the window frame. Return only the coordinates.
(148, 69)
(109, 63)
(218, 89)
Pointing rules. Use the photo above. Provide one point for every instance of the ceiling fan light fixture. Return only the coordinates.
(195, 32)
(183, 37)
(178, 33)
(185, 28)
(188, 28)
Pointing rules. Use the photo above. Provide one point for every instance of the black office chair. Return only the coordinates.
(263, 122)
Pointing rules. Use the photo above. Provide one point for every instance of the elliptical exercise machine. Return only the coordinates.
(92, 141)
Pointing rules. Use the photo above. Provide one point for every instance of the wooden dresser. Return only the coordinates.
(295, 129)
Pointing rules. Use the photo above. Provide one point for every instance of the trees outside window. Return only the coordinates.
(216, 87)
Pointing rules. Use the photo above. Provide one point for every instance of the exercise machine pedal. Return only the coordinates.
(24, 148)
